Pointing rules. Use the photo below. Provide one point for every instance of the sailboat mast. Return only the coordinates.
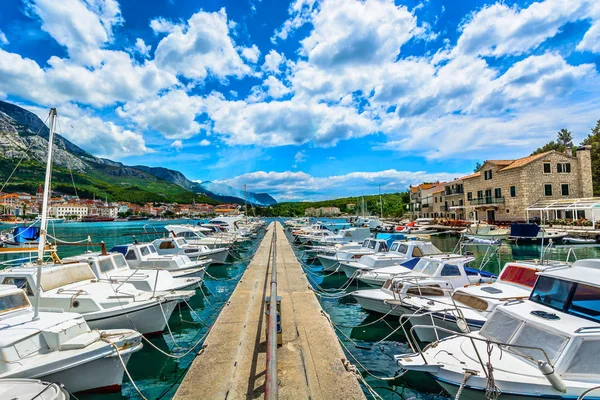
(44, 221)
(380, 203)
(245, 201)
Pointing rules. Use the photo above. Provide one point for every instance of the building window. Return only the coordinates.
(498, 193)
(470, 196)
(565, 189)
(563, 168)
(480, 194)
(513, 191)
(507, 211)
(435, 199)
(547, 168)
(487, 175)
(548, 189)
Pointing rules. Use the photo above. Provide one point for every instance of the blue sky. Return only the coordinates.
(306, 99)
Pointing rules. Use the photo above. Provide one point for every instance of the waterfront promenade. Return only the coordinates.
(233, 363)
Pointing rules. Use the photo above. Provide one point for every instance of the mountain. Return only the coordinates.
(24, 142)
(227, 192)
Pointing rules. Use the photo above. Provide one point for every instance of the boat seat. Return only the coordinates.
(63, 275)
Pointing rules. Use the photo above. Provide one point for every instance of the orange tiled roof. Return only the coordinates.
(441, 188)
(524, 161)
(500, 163)
(475, 175)
(414, 189)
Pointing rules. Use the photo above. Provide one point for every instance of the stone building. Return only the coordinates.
(502, 189)
(66, 210)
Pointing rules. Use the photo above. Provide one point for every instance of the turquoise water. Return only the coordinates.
(156, 375)
(364, 344)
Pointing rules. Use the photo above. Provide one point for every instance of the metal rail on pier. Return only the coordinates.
(271, 378)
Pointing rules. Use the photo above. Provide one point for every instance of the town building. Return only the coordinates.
(69, 210)
(501, 190)
(322, 212)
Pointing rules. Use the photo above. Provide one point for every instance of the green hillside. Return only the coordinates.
(96, 182)
(394, 205)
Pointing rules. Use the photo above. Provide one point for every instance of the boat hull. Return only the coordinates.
(329, 264)
(148, 320)
(103, 375)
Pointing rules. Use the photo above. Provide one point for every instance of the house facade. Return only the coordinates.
(501, 190)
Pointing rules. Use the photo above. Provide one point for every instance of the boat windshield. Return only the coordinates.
(120, 261)
(426, 267)
(105, 264)
(402, 249)
(526, 338)
(571, 297)
(519, 274)
(371, 244)
(152, 249)
(13, 301)
(394, 247)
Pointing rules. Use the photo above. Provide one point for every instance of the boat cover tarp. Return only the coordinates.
(23, 234)
(524, 230)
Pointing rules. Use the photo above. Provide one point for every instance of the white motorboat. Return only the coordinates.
(58, 346)
(434, 277)
(344, 236)
(197, 235)
(485, 231)
(524, 233)
(331, 262)
(545, 347)
(26, 389)
(472, 304)
(578, 240)
(113, 267)
(172, 245)
(145, 256)
(104, 304)
(400, 252)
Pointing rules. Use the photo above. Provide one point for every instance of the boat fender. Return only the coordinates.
(462, 325)
(548, 371)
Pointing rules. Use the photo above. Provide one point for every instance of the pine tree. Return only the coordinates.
(565, 138)
(478, 166)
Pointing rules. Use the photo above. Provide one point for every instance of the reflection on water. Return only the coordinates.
(363, 336)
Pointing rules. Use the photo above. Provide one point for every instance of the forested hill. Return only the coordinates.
(394, 205)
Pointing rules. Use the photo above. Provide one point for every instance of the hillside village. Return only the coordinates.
(21, 205)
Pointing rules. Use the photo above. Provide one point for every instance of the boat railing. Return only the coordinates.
(404, 318)
(415, 346)
(271, 389)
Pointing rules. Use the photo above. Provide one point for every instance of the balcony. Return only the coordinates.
(452, 192)
(424, 205)
(486, 200)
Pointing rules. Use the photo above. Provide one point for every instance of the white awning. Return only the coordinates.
(566, 204)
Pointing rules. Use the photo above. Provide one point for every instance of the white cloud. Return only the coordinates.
(275, 88)
(273, 61)
(172, 114)
(291, 185)
(3, 39)
(204, 142)
(301, 11)
(79, 25)
(251, 54)
(162, 25)
(498, 29)
(177, 145)
(99, 137)
(285, 122)
(348, 33)
(201, 47)
(142, 48)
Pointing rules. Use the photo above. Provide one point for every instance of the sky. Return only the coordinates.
(306, 99)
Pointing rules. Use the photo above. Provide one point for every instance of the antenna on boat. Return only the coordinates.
(44, 221)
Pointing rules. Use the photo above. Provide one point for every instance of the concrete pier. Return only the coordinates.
(310, 361)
